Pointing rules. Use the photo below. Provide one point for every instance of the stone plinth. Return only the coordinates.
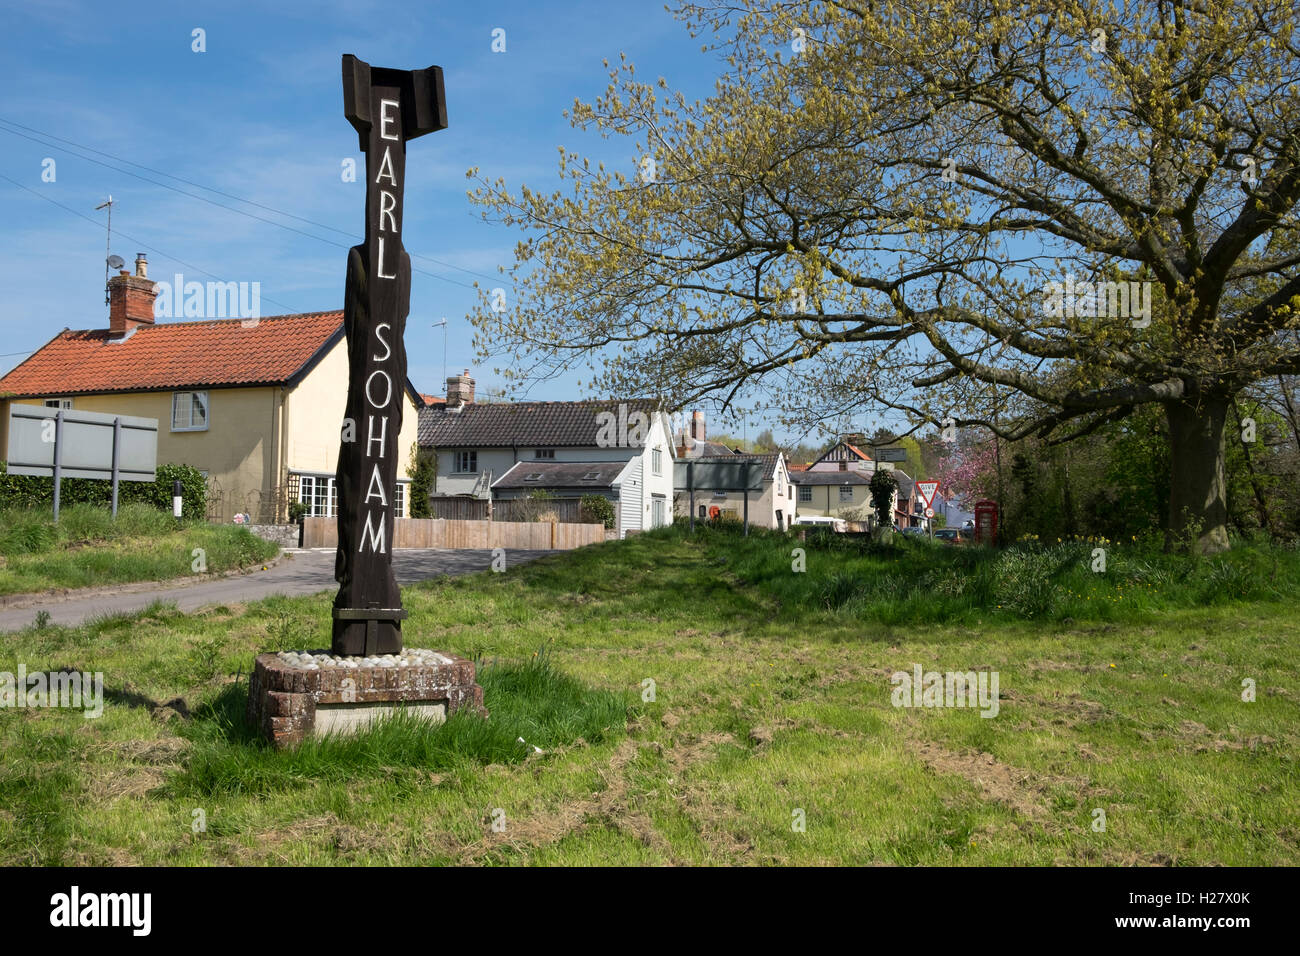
(294, 695)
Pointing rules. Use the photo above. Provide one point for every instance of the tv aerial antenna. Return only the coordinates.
(443, 323)
(110, 261)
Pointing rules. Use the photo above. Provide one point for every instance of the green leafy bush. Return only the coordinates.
(883, 485)
(596, 509)
(423, 472)
(29, 491)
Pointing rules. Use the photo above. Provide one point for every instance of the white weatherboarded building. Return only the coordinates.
(500, 451)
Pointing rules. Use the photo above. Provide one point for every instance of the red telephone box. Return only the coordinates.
(986, 522)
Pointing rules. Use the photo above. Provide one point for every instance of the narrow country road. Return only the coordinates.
(297, 573)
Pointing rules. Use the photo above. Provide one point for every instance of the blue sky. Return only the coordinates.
(259, 116)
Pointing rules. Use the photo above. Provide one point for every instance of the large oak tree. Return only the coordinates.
(871, 208)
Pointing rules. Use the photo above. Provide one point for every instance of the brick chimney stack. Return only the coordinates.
(697, 425)
(130, 299)
(460, 390)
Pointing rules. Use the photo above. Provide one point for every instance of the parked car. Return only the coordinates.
(822, 521)
(920, 532)
(952, 536)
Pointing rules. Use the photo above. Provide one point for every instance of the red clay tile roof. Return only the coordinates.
(433, 399)
(171, 355)
(857, 451)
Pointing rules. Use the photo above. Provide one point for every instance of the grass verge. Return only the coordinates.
(757, 704)
(88, 548)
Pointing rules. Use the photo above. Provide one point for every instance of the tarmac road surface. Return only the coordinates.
(297, 572)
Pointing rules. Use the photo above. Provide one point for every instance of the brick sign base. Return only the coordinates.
(288, 702)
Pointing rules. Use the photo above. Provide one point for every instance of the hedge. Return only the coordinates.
(30, 491)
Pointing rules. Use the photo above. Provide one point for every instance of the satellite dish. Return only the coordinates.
(116, 262)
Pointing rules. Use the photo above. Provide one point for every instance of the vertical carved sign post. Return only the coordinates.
(386, 107)
(293, 695)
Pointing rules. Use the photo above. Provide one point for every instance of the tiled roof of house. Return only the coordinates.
(830, 478)
(853, 449)
(223, 352)
(767, 461)
(524, 424)
(794, 468)
(432, 399)
(560, 474)
(705, 449)
(857, 451)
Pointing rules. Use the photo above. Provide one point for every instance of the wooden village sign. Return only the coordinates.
(367, 673)
(387, 108)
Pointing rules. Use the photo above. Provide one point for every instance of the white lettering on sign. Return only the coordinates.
(386, 119)
(387, 203)
(388, 384)
(383, 435)
(374, 534)
(379, 334)
(386, 169)
(376, 489)
(382, 273)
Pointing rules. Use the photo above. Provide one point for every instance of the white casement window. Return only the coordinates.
(189, 411)
(306, 488)
(846, 492)
(466, 461)
(399, 500)
(657, 461)
(320, 496)
(805, 493)
(58, 403)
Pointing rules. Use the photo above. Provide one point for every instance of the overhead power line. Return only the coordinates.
(58, 139)
(147, 248)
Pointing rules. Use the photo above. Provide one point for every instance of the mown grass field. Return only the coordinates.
(88, 548)
(1120, 691)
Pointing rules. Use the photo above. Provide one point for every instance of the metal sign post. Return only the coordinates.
(69, 443)
(58, 460)
(117, 458)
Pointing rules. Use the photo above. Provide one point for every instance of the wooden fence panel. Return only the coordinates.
(460, 509)
(564, 510)
(479, 535)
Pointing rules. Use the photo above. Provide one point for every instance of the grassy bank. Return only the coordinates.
(89, 548)
(700, 698)
(915, 581)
